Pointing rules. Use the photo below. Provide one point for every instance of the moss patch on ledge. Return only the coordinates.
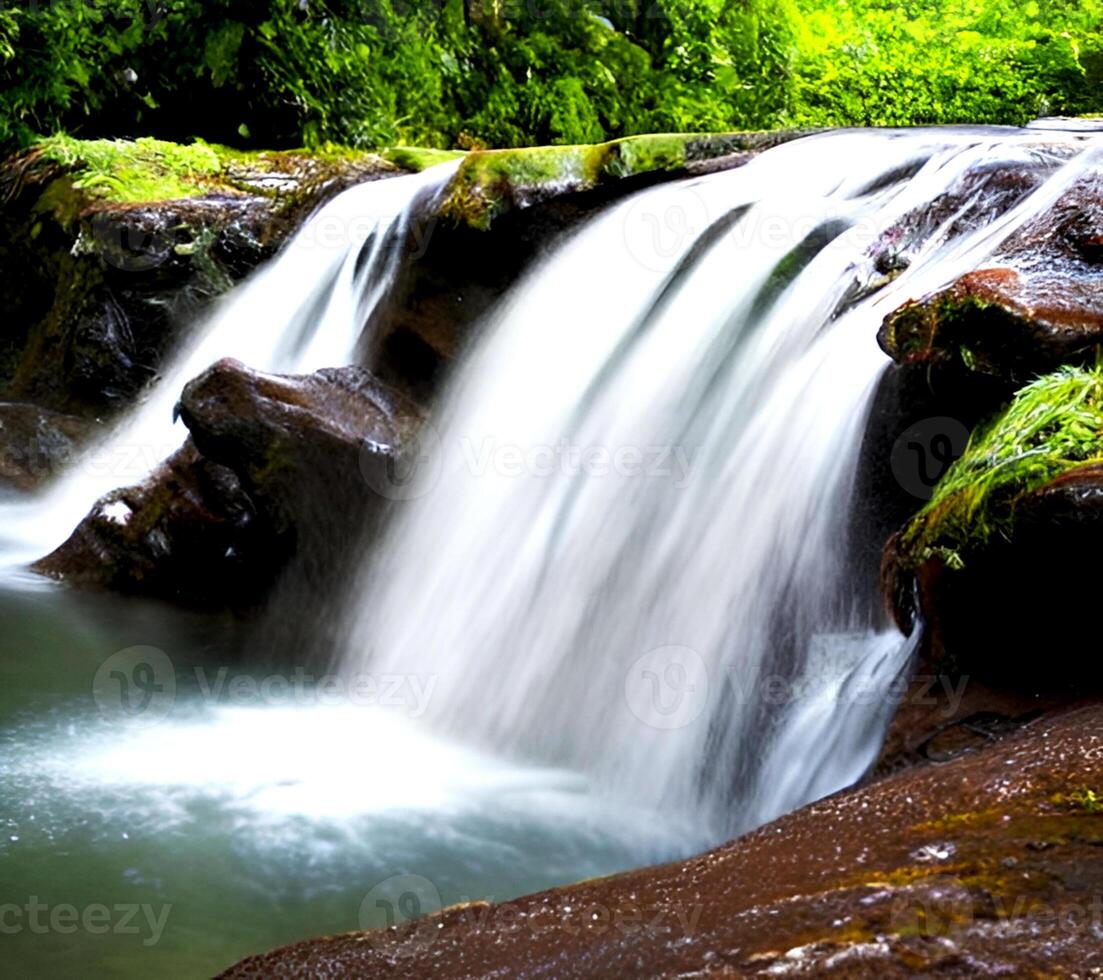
(491, 182)
(1052, 426)
(149, 171)
(418, 158)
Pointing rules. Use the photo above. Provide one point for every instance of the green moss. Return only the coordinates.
(149, 170)
(1086, 800)
(416, 158)
(1052, 426)
(131, 171)
(937, 326)
(491, 182)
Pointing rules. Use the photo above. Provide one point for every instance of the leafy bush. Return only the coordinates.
(513, 72)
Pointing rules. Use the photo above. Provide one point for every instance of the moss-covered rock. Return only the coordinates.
(114, 247)
(491, 182)
(149, 171)
(993, 563)
(1051, 427)
(505, 209)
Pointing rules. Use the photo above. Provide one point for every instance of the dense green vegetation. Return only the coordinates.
(513, 72)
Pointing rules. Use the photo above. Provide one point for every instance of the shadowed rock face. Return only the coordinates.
(97, 292)
(1017, 598)
(1040, 304)
(34, 442)
(277, 469)
(988, 865)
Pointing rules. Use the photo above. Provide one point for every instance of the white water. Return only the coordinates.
(625, 556)
(588, 604)
(303, 311)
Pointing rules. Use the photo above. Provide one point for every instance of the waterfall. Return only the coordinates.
(623, 549)
(624, 546)
(303, 311)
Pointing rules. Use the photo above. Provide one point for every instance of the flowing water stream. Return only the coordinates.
(616, 617)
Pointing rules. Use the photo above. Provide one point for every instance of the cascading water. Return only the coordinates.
(623, 565)
(624, 550)
(304, 311)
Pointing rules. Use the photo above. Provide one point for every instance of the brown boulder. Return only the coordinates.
(277, 469)
(299, 444)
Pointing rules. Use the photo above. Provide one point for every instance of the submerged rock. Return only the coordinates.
(278, 469)
(990, 864)
(35, 443)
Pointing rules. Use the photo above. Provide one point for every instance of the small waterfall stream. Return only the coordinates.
(302, 312)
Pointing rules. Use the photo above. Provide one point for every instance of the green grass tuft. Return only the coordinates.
(1052, 425)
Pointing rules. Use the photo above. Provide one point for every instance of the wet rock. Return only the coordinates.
(302, 446)
(188, 533)
(35, 443)
(1038, 305)
(987, 865)
(278, 470)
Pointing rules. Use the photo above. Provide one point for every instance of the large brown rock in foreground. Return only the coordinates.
(988, 865)
(277, 468)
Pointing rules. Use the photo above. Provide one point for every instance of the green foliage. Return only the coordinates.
(885, 63)
(470, 73)
(145, 170)
(1051, 426)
